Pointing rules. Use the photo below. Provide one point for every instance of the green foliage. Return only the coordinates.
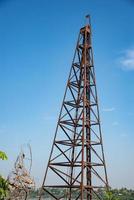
(125, 194)
(3, 156)
(113, 194)
(109, 195)
(3, 188)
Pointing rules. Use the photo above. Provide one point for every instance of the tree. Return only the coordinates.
(3, 156)
(4, 187)
(108, 195)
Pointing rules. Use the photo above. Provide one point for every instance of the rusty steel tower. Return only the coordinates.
(76, 168)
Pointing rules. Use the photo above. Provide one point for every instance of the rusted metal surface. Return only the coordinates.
(20, 180)
(77, 161)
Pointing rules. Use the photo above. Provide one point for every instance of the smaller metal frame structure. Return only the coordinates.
(20, 181)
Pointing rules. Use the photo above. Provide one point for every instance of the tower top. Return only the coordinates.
(87, 26)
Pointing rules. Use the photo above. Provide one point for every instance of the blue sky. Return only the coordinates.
(37, 41)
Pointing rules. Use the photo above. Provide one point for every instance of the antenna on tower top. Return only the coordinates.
(88, 19)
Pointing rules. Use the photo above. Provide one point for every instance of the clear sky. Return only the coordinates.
(37, 41)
